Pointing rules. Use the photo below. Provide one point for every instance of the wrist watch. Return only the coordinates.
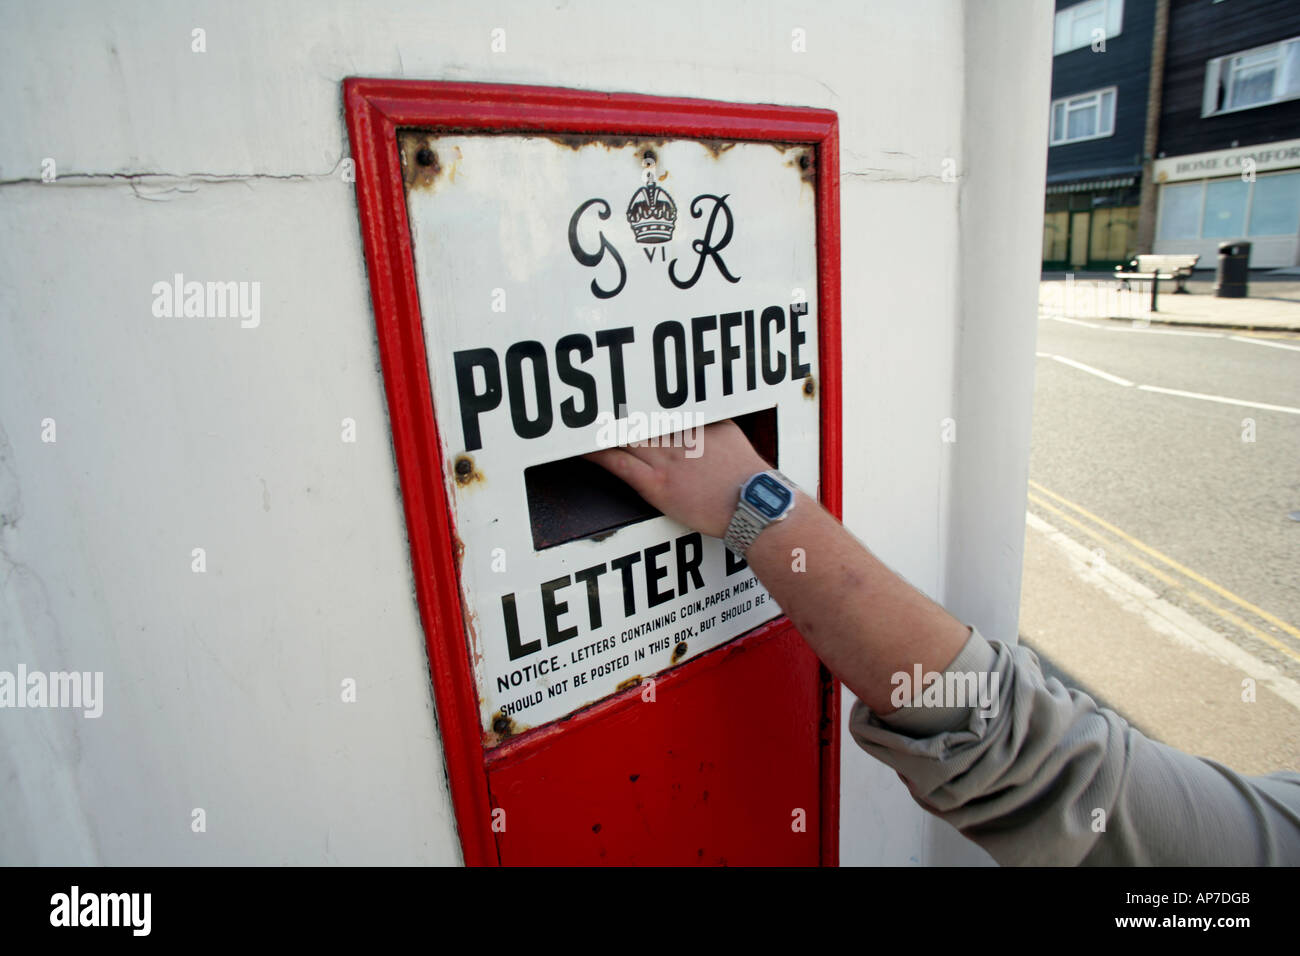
(765, 498)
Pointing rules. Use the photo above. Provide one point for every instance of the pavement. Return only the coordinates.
(1176, 680)
(1273, 302)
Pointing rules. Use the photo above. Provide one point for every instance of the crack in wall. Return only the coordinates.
(147, 178)
(879, 175)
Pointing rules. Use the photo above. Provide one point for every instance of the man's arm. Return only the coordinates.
(861, 619)
(1044, 776)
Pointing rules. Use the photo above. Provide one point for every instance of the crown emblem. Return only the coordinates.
(652, 214)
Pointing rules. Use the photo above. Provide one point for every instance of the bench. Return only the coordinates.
(1154, 267)
(1179, 268)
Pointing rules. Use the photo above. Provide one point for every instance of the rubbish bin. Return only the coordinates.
(1234, 266)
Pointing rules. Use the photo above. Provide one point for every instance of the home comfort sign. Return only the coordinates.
(582, 292)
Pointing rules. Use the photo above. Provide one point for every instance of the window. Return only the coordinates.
(1086, 116)
(1180, 211)
(1056, 236)
(1084, 23)
(1114, 233)
(1275, 207)
(1258, 77)
(1218, 208)
(1225, 209)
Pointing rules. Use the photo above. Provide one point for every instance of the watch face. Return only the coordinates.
(768, 496)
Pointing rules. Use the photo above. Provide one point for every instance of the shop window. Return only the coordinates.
(1180, 211)
(1114, 234)
(1217, 209)
(1056, 236)
(1275, 206)
(1225, 209)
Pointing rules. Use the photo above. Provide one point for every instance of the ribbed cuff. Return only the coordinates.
(978, 657)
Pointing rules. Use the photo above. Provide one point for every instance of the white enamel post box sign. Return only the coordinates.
(582, 292)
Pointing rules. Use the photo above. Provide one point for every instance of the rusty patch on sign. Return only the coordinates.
(629, 683)
(466, 471)
(422, 162)
(679, 652)
(503, 728)
(467, 611)
(576, 141)
(806, 162)
(717, 146)
(471, 627)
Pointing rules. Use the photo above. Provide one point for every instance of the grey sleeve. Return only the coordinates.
(1033, 772)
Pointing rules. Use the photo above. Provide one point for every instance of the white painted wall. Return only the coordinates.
(223, 689)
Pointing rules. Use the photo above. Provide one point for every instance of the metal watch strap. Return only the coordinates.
(746, 523)
(744, 528)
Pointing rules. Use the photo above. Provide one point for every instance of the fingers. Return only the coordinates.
(623, 464)
(651, 452)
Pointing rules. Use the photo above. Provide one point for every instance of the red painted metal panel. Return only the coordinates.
(717, 769)
(759, 717)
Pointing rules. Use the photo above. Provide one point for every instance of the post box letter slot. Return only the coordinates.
(573, 498)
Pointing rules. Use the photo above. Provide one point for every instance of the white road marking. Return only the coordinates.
(1163, 616)
(1272, 345)
(1142, 328)
(1090, 370)
(1220, 399)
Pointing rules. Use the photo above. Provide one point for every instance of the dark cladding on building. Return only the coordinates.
(1220, 139)
(1100, 76)
(1228, 160)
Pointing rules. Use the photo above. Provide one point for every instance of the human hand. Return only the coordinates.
(697, 485)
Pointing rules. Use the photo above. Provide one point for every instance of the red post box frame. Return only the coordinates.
(375, 110)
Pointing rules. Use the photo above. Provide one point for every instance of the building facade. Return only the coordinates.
(1100, 76)
(1228, 165)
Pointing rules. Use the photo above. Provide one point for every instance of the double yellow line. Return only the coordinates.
(1038, 496)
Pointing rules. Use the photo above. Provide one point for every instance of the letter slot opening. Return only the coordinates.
(574, 498)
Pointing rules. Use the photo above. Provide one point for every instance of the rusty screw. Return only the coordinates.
(809, 386)
(648, 157)
(426, 156)
(501, 725)
(804, 161)
(679, 651)
(464, 468)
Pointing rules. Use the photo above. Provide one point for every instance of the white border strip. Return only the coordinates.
(1266, 342)
(1220, 399)
(1090, 370)
(1200, 396)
